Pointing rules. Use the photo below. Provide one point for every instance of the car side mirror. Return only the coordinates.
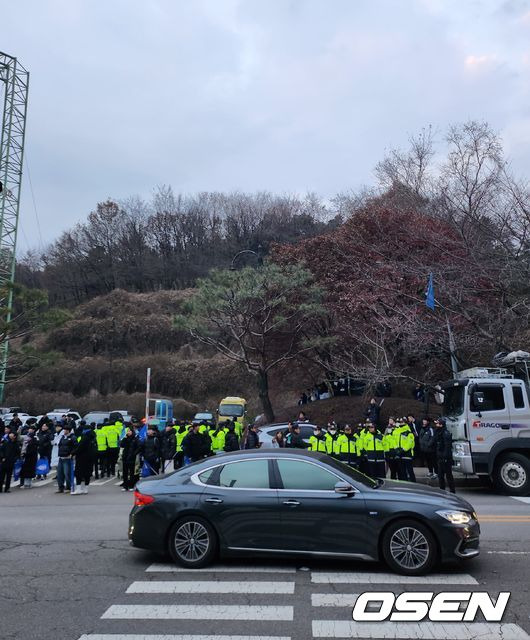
(345, 488)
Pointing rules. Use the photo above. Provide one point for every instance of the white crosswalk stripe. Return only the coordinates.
(197, 612)
(412, 630)
(138, 636)
(195, 584)
(354, 577)
(220, 568)
(98, 483)
(207, 586)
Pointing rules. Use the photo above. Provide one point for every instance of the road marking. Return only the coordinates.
(409, 631)
(100, 482)
(351, 577)
(211, 587)
(525, 500)
(196, 612)
(139, 636)
(228, 568)
(335, 599)
(505, 519)
(509, 553)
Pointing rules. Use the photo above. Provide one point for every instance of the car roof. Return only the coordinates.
(268, 453)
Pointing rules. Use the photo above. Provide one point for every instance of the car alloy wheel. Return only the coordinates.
(409, 548)
(191, 541)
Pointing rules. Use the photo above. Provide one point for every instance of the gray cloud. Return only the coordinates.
(251, 94)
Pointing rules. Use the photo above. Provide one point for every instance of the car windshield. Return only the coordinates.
(453, 401)
(203, 416)
(232, 410)
(355, 475)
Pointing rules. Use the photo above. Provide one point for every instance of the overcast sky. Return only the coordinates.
(279, 95)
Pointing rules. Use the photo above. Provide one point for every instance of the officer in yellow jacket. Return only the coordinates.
(181, 431)
(113, 447)
(318, 441)
(217, 436)
(101, 440)
(332, 435)
(373, 448)
(404, 442)
(348, 447)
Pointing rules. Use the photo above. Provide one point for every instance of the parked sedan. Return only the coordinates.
(294, 502)
(267, 432)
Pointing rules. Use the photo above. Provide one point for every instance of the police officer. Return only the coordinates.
(181, 430)
(389, 440)
(217, 436)
(348, 447)
(373, 448)
(317, 442)
(113, 447)
(404, 442)
(102, 445)
(331, 440)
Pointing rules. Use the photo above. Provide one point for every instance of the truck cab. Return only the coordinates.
(488, 414)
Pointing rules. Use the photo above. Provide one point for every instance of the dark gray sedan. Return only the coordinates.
(293, 502)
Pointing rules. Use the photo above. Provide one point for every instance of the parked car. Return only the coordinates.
(293, 502)
(57, 414)
(99, 417)
(205, 417)
(267, 433)
(24, 417)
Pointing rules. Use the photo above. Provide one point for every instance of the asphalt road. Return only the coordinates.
(67, 572)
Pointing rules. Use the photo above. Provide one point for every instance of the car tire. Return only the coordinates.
(409, 548)
(192, 542)
(512, 474)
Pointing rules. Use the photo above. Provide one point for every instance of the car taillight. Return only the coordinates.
(141, 499)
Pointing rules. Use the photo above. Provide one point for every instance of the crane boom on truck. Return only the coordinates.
(487, 411)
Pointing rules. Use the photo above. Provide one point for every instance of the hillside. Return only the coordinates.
(98, 360)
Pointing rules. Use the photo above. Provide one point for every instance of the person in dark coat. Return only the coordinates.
(372, 412)
(195, 445)
(151, 450)
(252, 439)
(296, 441)
(231, 439)
(131, 447)
(168, 447)
(427, 441)
(444, 455)
(9, 454)
(29, 454)
(66, 446)
(85, 455)
(44, 444)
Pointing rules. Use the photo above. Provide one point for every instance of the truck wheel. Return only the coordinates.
(512, 474)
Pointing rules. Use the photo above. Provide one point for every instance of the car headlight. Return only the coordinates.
(460, 448)
(456, 517)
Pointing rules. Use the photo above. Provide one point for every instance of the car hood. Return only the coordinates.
(423, 493)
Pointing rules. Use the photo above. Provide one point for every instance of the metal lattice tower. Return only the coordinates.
(14, 81)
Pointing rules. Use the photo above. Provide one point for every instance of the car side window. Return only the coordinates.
(306, 431)
(296, 474)
(248, 474)
(207, 477)
(518, 398)
(493, 398)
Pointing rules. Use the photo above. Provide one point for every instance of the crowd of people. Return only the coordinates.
(85, 451)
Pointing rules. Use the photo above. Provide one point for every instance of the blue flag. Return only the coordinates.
(429, 294)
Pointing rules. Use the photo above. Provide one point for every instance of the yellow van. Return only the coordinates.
(230, 408)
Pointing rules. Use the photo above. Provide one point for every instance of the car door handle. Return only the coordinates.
(291, 503)
(214, 500)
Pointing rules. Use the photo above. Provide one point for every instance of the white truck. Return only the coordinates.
(488, 413)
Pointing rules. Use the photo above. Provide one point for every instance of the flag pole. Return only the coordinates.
(452, 348)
